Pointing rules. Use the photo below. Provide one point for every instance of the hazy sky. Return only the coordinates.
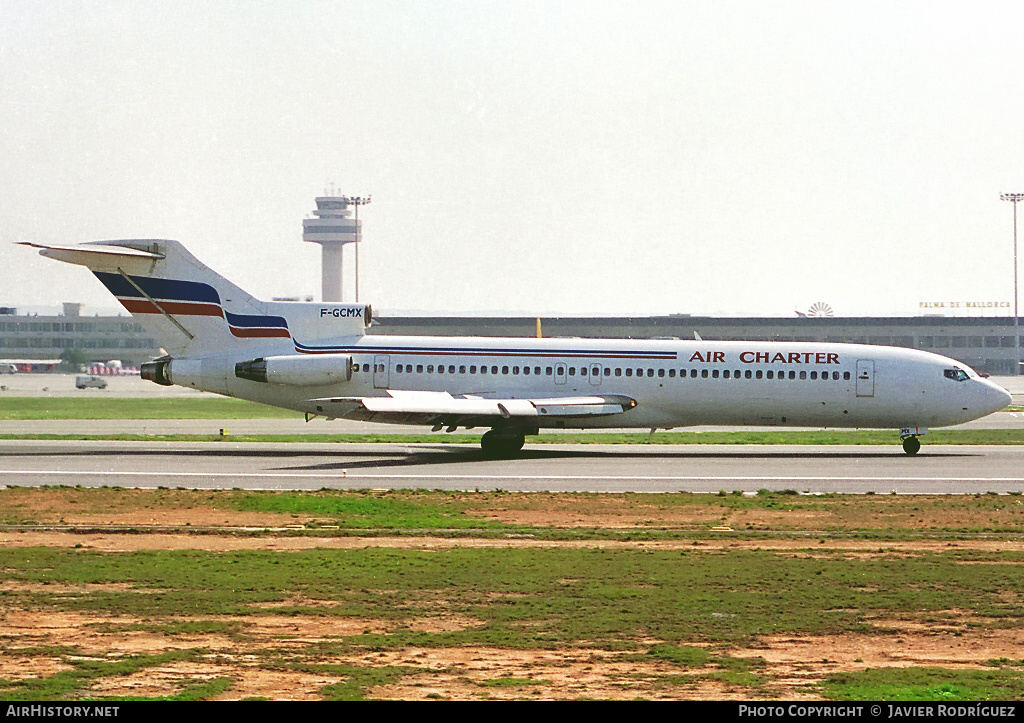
(543, 157)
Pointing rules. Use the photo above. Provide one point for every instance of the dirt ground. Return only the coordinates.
(792, 664)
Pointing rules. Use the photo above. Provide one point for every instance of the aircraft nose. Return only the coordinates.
(995, 397)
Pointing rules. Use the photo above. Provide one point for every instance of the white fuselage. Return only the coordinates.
(675, 383)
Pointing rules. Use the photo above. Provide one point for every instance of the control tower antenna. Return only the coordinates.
(332, 229)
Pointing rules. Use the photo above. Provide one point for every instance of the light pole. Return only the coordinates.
(358, 201)
(1014, 198)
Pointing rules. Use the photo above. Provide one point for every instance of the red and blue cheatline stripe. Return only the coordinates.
(253, 326)
(188, 298)
(512, 352)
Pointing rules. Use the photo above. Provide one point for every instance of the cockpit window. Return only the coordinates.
(957, 375)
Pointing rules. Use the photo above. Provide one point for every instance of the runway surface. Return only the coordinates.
(590, 468)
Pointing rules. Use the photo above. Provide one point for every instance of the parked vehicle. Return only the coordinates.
(90, 382)
(6, 368)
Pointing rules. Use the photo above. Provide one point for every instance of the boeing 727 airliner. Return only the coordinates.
(316, 358)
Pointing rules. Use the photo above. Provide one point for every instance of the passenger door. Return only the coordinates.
(865, 378)
(381, 367)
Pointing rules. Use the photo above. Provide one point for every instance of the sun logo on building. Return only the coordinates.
(820, 309)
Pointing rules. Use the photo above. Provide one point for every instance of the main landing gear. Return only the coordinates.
(911, 444)
(502, 445)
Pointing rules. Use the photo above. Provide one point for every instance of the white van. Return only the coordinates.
(85, 382)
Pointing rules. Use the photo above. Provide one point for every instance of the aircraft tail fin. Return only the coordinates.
(192, 310)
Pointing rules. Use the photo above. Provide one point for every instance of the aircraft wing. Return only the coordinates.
(441, 408)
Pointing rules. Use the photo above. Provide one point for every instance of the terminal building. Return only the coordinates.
(37, 338)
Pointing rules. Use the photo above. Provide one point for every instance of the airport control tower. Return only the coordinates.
(332, 229)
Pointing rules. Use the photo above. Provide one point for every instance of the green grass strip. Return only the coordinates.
(138, 408)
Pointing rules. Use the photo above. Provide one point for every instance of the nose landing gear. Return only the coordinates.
(909, 435)
(911, 445)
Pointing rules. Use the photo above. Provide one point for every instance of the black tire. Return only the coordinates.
(911, 445)
(501, 446)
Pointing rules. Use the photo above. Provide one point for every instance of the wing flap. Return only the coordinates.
(409, 406)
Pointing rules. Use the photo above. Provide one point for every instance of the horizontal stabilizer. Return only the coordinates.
(94, 257)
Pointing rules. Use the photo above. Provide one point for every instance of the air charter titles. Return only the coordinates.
(765, 357)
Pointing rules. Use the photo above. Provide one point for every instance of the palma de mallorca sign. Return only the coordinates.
(963, 305)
